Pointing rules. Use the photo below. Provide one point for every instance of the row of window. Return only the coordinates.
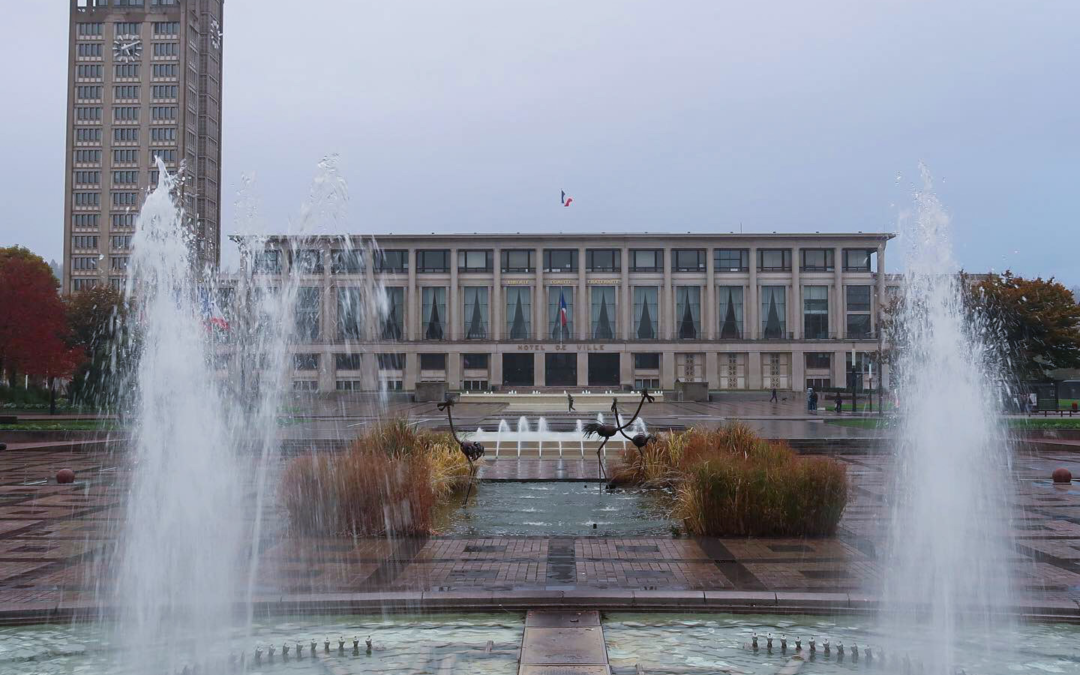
(642, 361)
(596, 260)
(86, 241)
(120, 221)
(126, 156)
(90, 71)
(122, 28)
(602, 311)
(84, 263)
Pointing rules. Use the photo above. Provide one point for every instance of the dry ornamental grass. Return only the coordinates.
(388, 482)
(731, 482)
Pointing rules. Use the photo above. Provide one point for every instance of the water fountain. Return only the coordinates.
(947, 568)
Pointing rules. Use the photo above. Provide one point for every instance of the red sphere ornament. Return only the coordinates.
(1062, 475)
(65, 476)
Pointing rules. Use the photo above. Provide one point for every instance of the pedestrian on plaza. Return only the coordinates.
(813, 401)
(570, 403)
(809, 398)
(772, 399)
(839, 400)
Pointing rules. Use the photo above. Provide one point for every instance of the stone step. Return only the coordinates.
(563, 643)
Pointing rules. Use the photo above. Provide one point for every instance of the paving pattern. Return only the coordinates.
(57, 543)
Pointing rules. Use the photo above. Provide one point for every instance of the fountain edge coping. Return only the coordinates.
(401, 602)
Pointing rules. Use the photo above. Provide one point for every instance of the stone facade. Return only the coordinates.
(483, 312)
(144, 81)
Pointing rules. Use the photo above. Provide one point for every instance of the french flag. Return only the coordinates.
(212, 317)
(566, 201)
(562, 310)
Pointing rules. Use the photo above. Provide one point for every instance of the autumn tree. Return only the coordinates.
(97, 320)
(1038, 319)
(32, 324)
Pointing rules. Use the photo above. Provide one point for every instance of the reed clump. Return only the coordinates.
(389, 481)
(731, 482)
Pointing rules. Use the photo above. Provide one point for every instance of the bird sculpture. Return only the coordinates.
(472, 450)
(607, 431)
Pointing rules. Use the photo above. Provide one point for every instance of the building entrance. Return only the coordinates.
(560, 370)
(518, 370)
(603, 370)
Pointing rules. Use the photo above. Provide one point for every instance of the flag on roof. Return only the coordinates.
(566, 200)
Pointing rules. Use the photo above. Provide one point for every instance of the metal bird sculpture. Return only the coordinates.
(472, 450)
(607, 431)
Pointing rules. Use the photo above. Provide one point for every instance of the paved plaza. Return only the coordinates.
(56, 545)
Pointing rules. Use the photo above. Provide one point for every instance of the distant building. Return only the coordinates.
(480, 312)
(144, 81)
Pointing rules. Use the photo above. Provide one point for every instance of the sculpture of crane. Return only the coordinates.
(472, 450)
(607, 431)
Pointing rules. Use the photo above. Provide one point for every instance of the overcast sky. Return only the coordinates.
(680, 116)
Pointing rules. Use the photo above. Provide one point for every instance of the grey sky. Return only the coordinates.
(655, 116)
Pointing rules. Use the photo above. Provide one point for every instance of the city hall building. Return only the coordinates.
(528, 311)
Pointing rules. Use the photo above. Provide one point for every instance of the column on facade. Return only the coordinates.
(667, 317)
(798, 370)
(625, 311)
(540, 299)
(495, 299)
(753, 369)
(712, 372)
(455, 332)
(836, 303)
(495, 368)
(882, 300)
(709, 315)
(453, 369)
(412, 310)
(581, 302)
(583, 369)
(752, 329)
(795, 322)
(539, 374)
(839, 369)
(328, 328)
(626, 369)
(373, 332)
(667, 369)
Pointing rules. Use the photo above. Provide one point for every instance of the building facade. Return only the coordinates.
(505, 312)
(144, 82)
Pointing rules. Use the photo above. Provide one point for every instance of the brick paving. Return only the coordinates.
(57, 543)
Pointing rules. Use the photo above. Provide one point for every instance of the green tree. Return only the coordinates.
(1039, 320)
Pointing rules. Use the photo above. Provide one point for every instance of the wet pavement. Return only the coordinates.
(56, 542)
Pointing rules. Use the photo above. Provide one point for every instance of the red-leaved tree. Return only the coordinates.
(32, 319)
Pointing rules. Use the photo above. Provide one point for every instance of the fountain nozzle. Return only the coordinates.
(827, 646)
(783, 643)
(813, 646)
(326, 644)
(798, 644)
(367, 642)
(768, 641)
(753, 641)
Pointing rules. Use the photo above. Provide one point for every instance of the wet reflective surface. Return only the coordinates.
(483, 644)
(717, 643)
(557, 509)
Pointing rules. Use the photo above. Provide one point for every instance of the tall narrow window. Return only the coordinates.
(349, 313)
(603, 312)
(858, 312)
(816, 312)
(475, 312)
(773, 312)
(393, 326)
(434, 305)
(730, 311)
(688, 308)
(561, 313)
(646, 312)
(518, 313)
(307, 314)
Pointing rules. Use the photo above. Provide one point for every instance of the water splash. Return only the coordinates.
(947, 567)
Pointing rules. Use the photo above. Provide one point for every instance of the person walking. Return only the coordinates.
(813, 401)
(569, 403)
(809, 399)
(839, 403)
(772, 399)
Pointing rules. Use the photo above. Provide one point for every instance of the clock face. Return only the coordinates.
(215, 34)
(126, 50)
